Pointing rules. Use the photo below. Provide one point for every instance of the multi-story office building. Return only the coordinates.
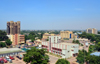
(90, 30)
(94, 30)
(13, 32)
(13, 27)
(54, 45)
(66, 34)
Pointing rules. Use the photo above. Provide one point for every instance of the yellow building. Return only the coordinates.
(46, 35)
(66, 34)
(19, 39)
(94, 31)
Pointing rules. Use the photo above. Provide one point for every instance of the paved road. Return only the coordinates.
(53, 59)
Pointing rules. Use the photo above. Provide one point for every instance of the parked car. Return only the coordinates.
(12, 58)
(7, 58)
(19, 57)
(10, 61)
(0, 59)
(5, 61)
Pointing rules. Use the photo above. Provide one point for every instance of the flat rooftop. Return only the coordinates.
(67, 43)
(9, 50)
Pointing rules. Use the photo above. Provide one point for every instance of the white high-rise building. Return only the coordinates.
(93, 31)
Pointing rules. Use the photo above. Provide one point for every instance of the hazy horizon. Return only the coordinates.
(51, 14)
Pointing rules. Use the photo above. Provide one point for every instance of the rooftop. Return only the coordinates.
(67, 43)
(9, 50)
(95, 53)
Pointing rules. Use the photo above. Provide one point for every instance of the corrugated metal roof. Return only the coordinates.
(95, 53)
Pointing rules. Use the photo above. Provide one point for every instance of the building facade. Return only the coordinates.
(46, 35)
(13, 28)
(54, 45)
(13, 32)
(66, 34)
(92, 30)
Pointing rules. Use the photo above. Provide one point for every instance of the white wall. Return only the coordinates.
(54, 39)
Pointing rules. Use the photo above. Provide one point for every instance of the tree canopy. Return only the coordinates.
(8, 42)
(2, 44)
(98, 46)
(36, 56)
(3, 36)
(76, 41)
(92, 37)
(62, 61)
(93, 59)
(81, 56)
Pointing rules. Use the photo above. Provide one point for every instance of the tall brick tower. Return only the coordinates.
(13, 27)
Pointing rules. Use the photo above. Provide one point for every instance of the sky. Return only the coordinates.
(51, 14)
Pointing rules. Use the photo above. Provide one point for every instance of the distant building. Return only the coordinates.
(46, 35)
(13, 28)
(54, 45)
(13, 32)
(95, 31)
(90, 30)
(67, 34)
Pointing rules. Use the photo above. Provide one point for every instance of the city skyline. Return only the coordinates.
(51, 15)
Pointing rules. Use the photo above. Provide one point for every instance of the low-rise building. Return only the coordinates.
(9, 51)
(54, 45)
(17, 39)
(37, 42)
(46, 35)
(21, 39)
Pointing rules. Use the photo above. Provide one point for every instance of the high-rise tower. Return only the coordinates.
(13, 27)
(13, 32)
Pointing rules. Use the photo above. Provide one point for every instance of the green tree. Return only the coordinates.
(73, 41)
(3, 36)
(26, 38)
(97, 40)
(36, 56)
(81, 56)
(91, 48)
(32, 33)
(33, 39)
(77, 41)
(91, 59)
(2, 44)
(8, 42)
(62, 61)
(98, 46)
(32, 36)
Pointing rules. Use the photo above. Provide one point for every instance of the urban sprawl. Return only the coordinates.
(50, 46)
